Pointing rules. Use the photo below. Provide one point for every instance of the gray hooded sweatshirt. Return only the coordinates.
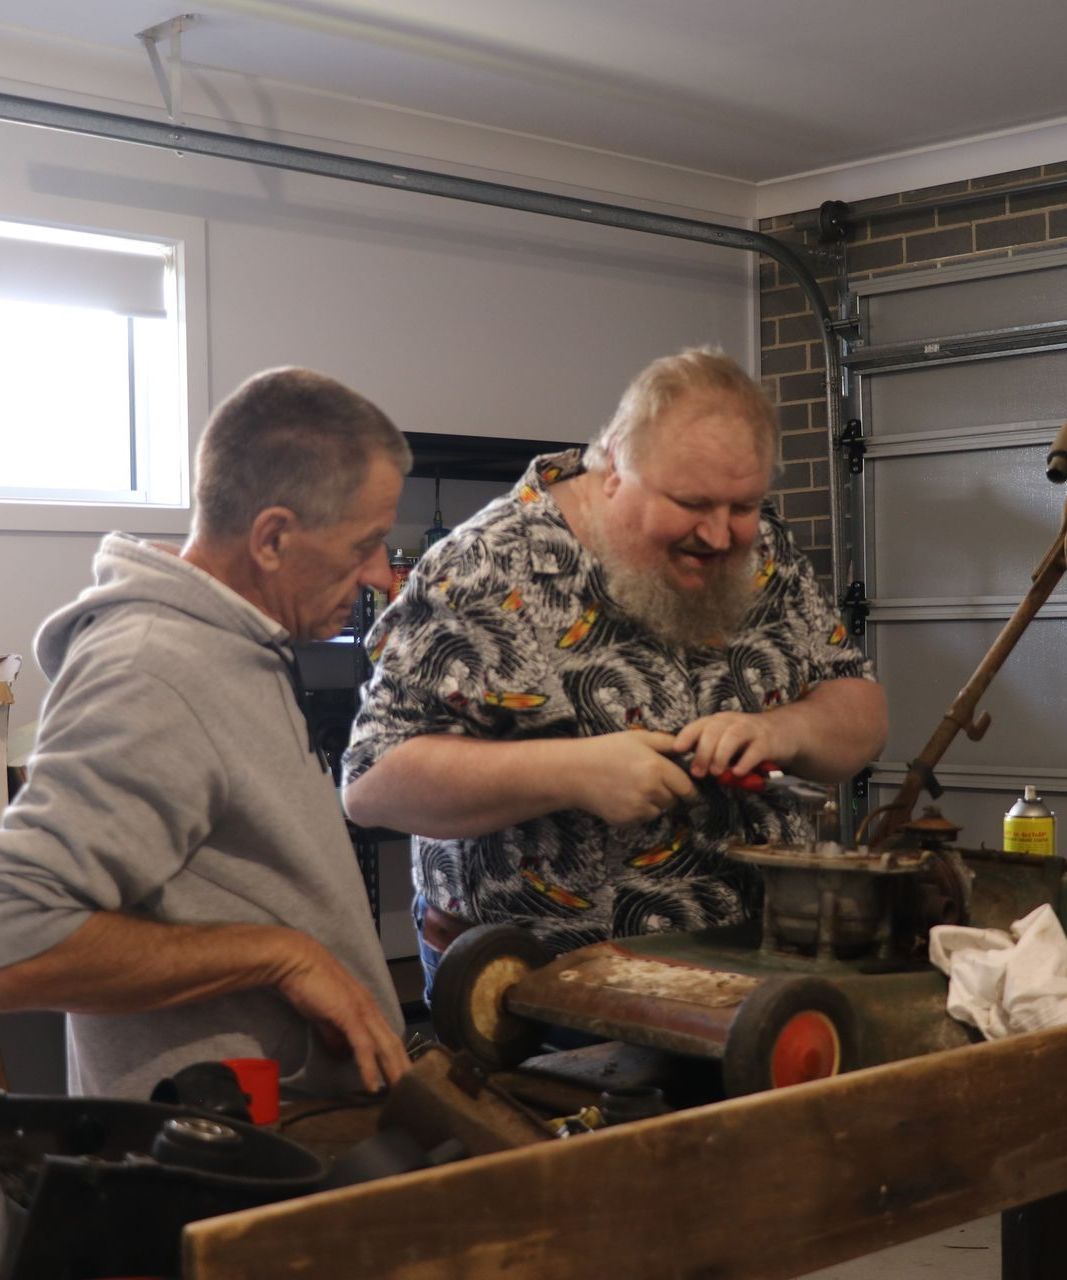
(173, 780)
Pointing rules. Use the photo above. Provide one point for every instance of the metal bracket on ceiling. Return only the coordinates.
(168, 77)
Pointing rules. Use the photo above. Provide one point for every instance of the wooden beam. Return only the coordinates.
(766, 1187)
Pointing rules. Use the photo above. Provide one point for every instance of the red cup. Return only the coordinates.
(258, 1077)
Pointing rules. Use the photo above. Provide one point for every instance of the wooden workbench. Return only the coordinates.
(767, 1187)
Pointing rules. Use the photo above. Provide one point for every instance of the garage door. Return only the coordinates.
(959, 384)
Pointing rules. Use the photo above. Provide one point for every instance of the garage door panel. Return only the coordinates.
(953, 524)
(924, 664)
(968, 306)
(974, 393)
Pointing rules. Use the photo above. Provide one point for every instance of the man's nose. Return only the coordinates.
(714, 530)
(376, 572)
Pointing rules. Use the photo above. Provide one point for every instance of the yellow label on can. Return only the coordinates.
(1030, 835)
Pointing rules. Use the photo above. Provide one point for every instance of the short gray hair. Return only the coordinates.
(289, 438)
(698, 371)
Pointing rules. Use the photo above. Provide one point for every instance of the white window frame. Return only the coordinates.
(187, 238)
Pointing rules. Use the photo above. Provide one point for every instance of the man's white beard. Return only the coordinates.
(687, 619)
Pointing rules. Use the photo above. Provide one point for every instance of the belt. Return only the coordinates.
(440, 929)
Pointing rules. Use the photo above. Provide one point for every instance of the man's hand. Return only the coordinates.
(627, 776)
(345, 1015)
(735, 740)
(827, 735)
(116, 963)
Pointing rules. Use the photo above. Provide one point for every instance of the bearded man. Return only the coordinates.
(561, 669)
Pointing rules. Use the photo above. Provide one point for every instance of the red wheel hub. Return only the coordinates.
(808, 1048)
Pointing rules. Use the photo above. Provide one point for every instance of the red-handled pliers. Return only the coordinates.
(765, 777)
(768, 777)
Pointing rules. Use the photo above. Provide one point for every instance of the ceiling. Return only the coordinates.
(754, 90)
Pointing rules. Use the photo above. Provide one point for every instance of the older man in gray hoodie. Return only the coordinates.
(176, 874)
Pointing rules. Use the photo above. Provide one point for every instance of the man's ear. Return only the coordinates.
(270, 537)
(611, 478)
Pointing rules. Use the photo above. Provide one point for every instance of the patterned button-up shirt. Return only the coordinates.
(506, 631)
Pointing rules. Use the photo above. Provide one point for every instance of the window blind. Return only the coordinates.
(131, 284)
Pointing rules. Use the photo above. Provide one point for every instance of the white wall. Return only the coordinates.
(453, 317)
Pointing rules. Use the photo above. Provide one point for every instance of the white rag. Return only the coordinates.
(1005, 983)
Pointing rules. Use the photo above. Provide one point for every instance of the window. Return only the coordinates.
(92, 387)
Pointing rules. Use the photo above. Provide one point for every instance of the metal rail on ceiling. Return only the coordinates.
(203, 142)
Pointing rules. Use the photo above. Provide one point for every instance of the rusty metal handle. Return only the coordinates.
(977, 728)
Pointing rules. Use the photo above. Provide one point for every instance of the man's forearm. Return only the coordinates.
(116, 963)
(119, 964)
(840, 725)
(450, 787)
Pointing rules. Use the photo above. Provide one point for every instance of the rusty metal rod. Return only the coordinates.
(960, 714)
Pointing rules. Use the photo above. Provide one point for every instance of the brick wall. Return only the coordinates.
(998, 227)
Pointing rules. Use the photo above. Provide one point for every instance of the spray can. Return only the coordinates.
(1030, 826)
(401, 565)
